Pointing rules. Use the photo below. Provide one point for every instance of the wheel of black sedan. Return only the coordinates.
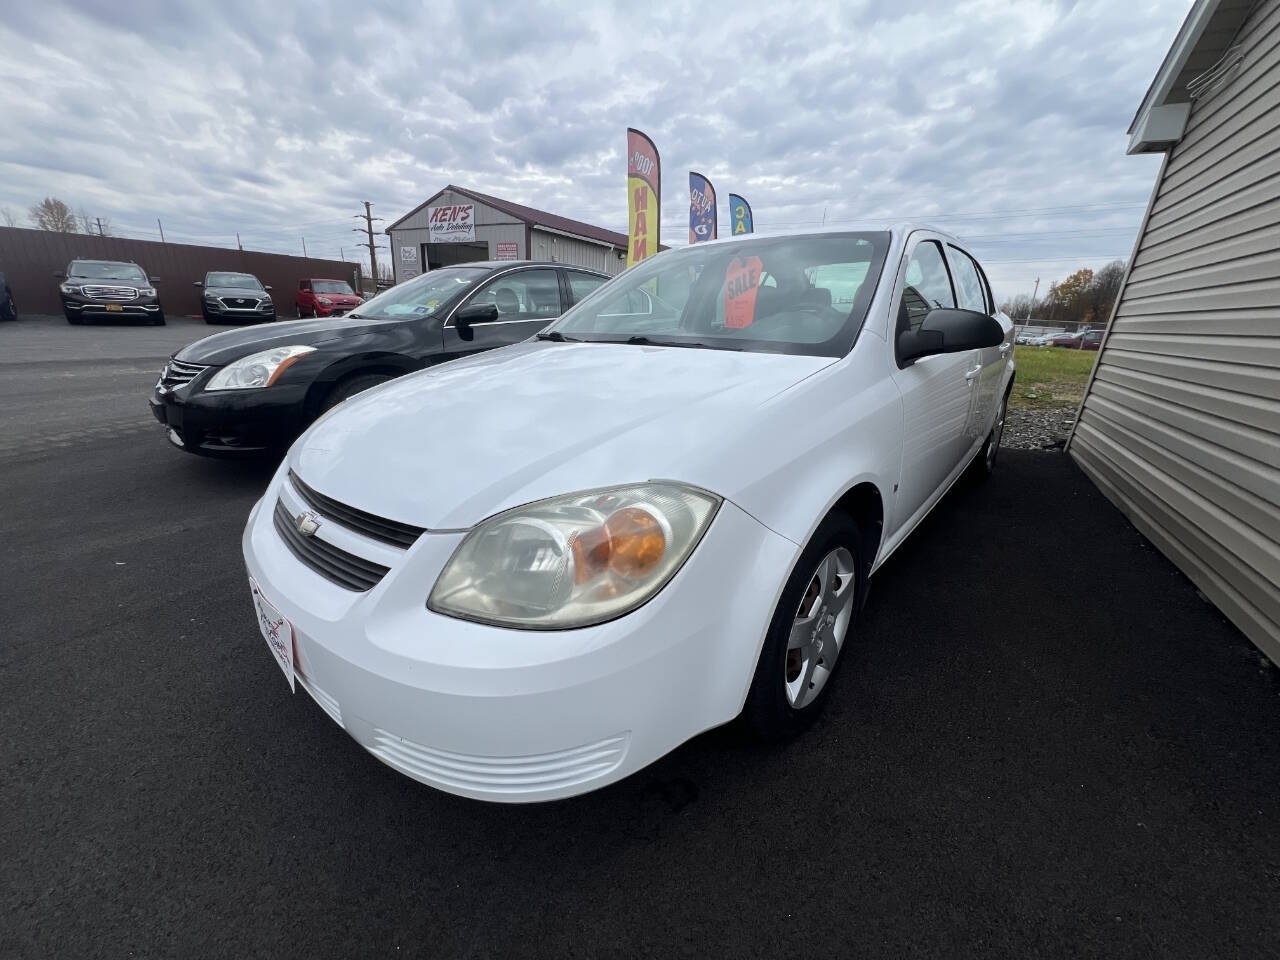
(810, 627)
(353, 385)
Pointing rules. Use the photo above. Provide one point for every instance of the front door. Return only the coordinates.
(527, 300)
(937, 391)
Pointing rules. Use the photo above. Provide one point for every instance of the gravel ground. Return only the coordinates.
(1037, 429)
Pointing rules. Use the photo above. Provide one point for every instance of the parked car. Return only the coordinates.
(255, 389)
(528, 573)
(97, 289)
(1044, 340)
(1091, 340)
(235, 298)
(1065, 340)
(325, 298)
(8, 306)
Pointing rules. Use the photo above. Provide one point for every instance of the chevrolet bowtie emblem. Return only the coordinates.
(306, 523)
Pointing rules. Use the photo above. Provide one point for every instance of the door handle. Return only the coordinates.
(1004, 351)
(972, 375)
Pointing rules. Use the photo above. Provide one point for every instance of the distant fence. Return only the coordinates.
(30, 258)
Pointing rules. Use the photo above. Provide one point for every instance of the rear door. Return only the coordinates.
(937, 391)
(972, 294)
(527, 300)
(583, 284)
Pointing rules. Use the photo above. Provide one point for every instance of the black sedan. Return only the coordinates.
(253, 390)
(234, 298)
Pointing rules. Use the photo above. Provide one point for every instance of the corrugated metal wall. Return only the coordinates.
(30, 258)
(548, 245)
(1181, 423)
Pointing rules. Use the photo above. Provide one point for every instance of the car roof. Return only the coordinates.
(105, 263)
(899, 228)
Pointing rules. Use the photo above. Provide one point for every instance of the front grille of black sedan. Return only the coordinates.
(333, 563)
(379, 528)
(176, 373)
(240, 303)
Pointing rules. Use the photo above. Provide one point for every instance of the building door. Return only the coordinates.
(437, 255)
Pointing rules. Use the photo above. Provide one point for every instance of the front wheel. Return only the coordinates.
(10, 309)
(158, 319)
(351, 386)
(810, 627)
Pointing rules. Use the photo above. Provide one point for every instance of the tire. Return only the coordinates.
(10, 311)
(158, 320)
(72, 318)
(779, 704)
(984, 464)
(352, 385)
(205, 313)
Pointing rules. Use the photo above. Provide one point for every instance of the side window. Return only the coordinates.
(968, 283)
(527, 295)
(304, 284)
(583, 284)
(928, 285)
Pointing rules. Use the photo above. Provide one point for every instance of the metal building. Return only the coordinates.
(458, 225)
(1180, 425)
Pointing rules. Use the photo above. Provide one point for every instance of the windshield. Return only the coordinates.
(332, 286)
(232, 280)
(424, 295)
(805, 295)
(97, 270)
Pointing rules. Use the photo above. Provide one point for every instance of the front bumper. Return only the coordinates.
(232, 314)
(230, 423)
(514, 715)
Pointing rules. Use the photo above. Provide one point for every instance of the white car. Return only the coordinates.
(531, 572)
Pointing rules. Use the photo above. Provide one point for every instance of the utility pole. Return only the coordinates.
(368, 219)
(161, 226)
(1033, 298)
(100, 233)
(342, 253)
(239, 245)
(304, 249)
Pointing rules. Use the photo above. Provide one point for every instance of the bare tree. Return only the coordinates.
(52, 214)
(7, 216)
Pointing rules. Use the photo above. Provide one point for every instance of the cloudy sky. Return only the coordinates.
(1003, 120)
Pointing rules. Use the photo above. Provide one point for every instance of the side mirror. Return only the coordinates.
(154, 279)
(267, 287)
(473, 313)
(947, 330)
(198, 283)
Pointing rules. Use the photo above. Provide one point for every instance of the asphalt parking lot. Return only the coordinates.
(1042, 742)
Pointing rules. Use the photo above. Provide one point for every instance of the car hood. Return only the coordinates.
(223, 348)
(251, 292)
(451, 445)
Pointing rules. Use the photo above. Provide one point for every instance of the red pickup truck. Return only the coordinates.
(318, 297)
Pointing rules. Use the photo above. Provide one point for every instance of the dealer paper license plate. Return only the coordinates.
(276, 630)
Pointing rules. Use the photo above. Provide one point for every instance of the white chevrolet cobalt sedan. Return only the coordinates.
(532, 571)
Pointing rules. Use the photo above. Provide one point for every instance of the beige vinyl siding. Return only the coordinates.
(571, 251)
(1180, 426)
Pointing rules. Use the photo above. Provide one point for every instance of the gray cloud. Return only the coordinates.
(275, 120)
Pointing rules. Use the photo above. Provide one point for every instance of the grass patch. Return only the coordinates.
(1050, 377)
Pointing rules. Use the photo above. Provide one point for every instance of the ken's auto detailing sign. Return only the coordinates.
(453, 223)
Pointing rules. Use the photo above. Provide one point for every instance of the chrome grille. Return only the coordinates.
(97, 292)
(333, 563)
(176, 373)
(379, 528)
(239, 303)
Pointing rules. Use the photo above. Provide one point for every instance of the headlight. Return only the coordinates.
(68, 288)
(263, 304)
(146, 291)
(257, 370)
(210, 298)
(325, 300)
(575, 560)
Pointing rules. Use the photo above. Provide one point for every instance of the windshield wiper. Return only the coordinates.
(555, 336)
(644, 341)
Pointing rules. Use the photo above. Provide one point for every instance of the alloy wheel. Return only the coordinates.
(819, 629)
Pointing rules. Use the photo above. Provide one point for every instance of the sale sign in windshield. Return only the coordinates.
(644, 197)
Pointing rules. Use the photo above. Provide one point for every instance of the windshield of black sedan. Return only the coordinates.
(424, 295)
(805, 294)
(232, 280)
